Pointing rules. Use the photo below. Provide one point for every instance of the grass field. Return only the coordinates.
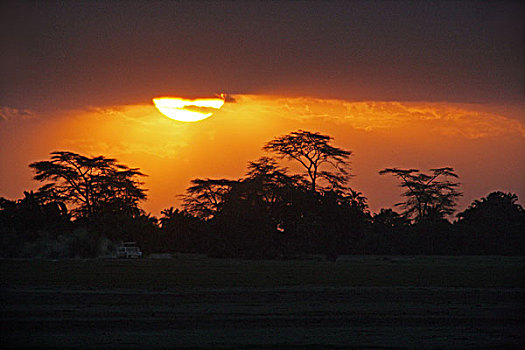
(196, 271)
(196, 302)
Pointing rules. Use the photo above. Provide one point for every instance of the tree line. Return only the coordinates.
(87, 205)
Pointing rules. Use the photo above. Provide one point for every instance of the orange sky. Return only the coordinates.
(486, 148)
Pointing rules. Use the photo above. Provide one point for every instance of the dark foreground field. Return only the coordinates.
(195, 302)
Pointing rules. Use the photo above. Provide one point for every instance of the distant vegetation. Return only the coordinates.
(88, 205)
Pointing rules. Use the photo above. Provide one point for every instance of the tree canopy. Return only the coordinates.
(497, 222)
(496, 206)
(315, 154)
(205, 196)
(428, 196)
(89, 184)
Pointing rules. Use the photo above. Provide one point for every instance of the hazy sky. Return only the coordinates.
(400, 83)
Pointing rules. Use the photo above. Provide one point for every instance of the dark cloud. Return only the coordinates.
(202, 110)
(8, 113)
(95, 53)
(226, 97)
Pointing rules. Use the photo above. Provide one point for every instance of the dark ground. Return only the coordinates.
(195, 302)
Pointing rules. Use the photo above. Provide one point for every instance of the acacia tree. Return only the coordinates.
(90, 185)
(428, 196)
(314, 152)
(205, 197)
(271, 181)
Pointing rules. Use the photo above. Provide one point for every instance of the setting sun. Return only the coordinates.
(185, 110)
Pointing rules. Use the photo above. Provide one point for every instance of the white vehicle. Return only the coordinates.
(129, 250)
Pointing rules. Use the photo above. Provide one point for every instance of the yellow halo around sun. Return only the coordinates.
(185, 110)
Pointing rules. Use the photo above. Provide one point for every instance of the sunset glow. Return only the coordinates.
(185, 110)
(471, 138)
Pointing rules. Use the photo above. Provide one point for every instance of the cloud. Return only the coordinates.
(443, 118)
(120, 131)
(201, 110)
(167, 150)
(9, 113)
(226, 97)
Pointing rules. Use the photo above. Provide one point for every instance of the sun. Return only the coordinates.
(185, 110)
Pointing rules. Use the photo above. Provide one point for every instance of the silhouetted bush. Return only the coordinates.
(493, 225)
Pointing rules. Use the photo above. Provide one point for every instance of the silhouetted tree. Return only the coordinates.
(496, 206)
(91, 185)
(167, 215)
(388, 218)
(494, 225)
(343, 220)
(182, 232)
(245, 218)
(356, 199)
(32, 214)
(313, 151)
(276, 189)
(270, 213)
(28, 220)
(428, 196)
(205, 196)
(245, 225)
(271, 181)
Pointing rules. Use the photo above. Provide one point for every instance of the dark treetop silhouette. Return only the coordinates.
(205, 196)
(427, 196)
(89, 184)
(495, 224)
(313, 151)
